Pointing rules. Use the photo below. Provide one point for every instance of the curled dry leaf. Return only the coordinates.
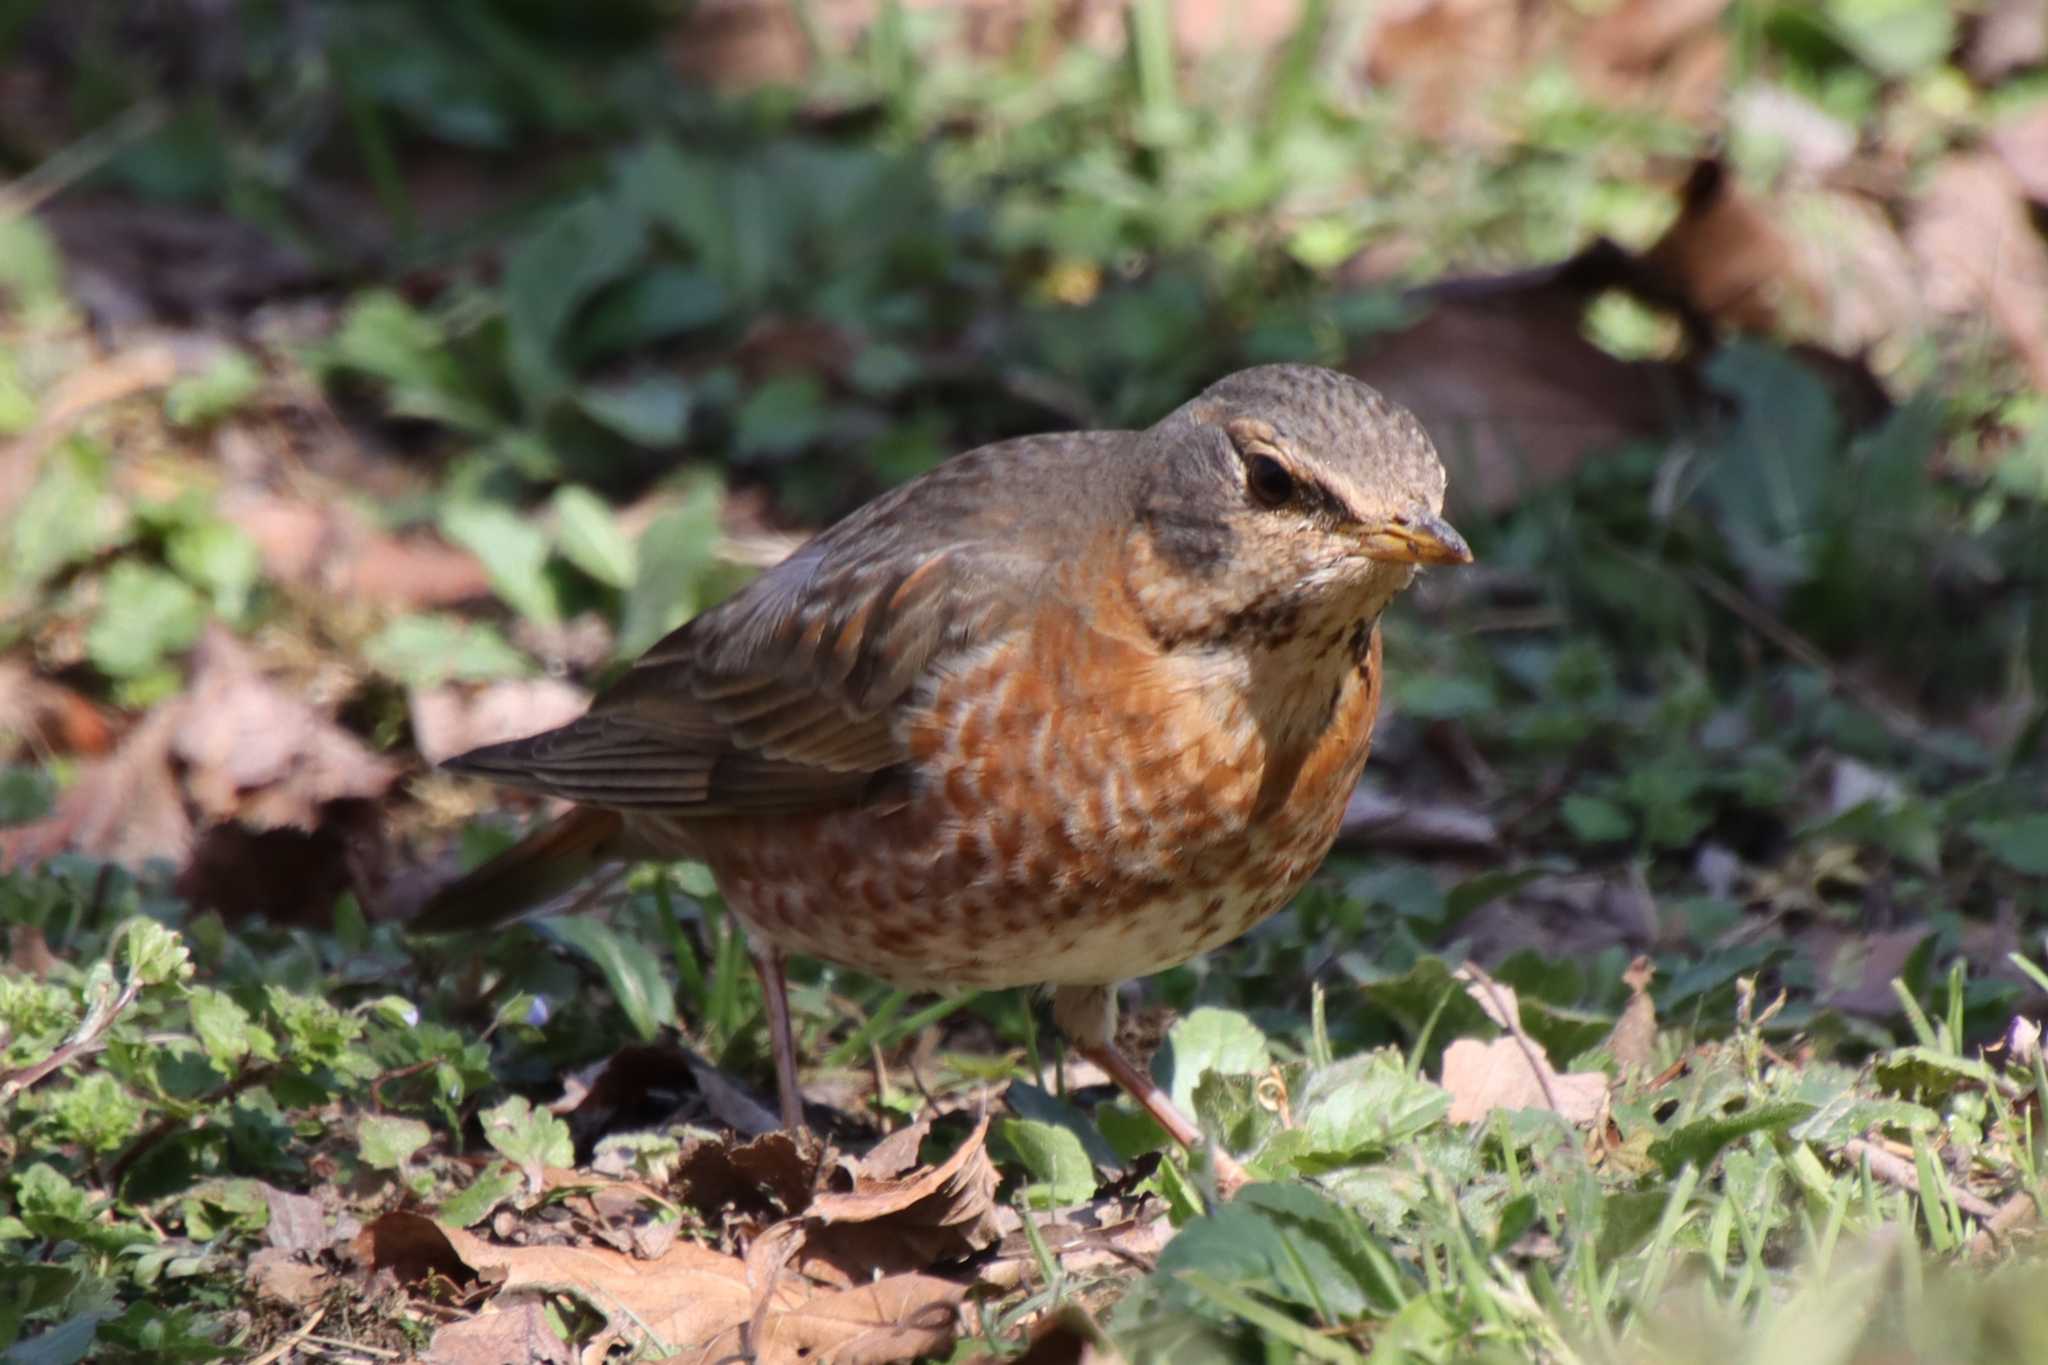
(898, 1215)
(693, 1302)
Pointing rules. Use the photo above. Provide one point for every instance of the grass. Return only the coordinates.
(1723, 701)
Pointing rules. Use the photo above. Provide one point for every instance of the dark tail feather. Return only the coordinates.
(525, 876)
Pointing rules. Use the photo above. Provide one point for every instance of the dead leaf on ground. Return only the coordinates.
(2021, 143)
(516, 1331)
(898, 1215)
(1634, 1039)
(40, 719)
(1672, 54)
(643, 1086)
(332, 548)
(1513, 1072)
(1113, 1233)
(1500, 372)
(692, 1301)
(263, 800)
(2008, 37)
(1981, 257)
(278, 1274)
(1373, 819)
(1068, 1337)
(771, 1176)
(1722, 259)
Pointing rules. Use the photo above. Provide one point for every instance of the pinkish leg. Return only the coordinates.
(1087, 1015)
(782, 1038)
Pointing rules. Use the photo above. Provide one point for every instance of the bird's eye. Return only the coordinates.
(1268, 480)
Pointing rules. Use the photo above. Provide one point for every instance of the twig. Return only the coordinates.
(1893, 1170)
(89, 1037)
(292, 1342)
(2017, 1209)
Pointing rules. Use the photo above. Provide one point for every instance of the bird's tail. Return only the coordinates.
(525, 876)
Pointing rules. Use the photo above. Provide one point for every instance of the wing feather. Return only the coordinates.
(787, 696)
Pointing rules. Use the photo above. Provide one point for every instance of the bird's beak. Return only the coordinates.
(1417, 538)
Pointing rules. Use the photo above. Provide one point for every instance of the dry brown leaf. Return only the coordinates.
(1634, 1039)
(265, 803)
(1722, 257)
(1980, 255)
(1068, 1337)
(901, 1216)
(2008, 36)
(897, 1318)
(770, 1176)
(40, 718)
(298, 1222)
(2021, 143)
(278, 1274)
(1513, 1073)
(330, 547)
(518, 1331)
(1446, 55)
(255, 754)
(693, 1301)
(1500, 372)
(1672, 54)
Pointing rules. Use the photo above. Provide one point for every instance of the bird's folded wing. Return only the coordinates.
(787, 696)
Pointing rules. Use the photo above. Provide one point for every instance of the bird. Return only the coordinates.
(1063, 711)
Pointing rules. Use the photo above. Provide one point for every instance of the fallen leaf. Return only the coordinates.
(1672, 54)
(517, 1331)
(331, 547)
(2008, 36)
(1633, 1042)
(1499, 371)
(298, 1222)
(770, 1176)
(1722, 257)
(40, 718)
(253, 753)
(692, 1301)
(277, 1274)
(1980, 255)
(267, 807)
(2021, 143)
(898, 1215)
(1513, 1073)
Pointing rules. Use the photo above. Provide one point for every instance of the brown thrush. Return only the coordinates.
(1067, 709)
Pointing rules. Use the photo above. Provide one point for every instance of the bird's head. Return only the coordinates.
(1289, 494)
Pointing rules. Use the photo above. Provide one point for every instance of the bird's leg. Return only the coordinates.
(775, 998)
(1087, 1015)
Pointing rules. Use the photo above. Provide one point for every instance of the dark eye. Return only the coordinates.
(1268, 480)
